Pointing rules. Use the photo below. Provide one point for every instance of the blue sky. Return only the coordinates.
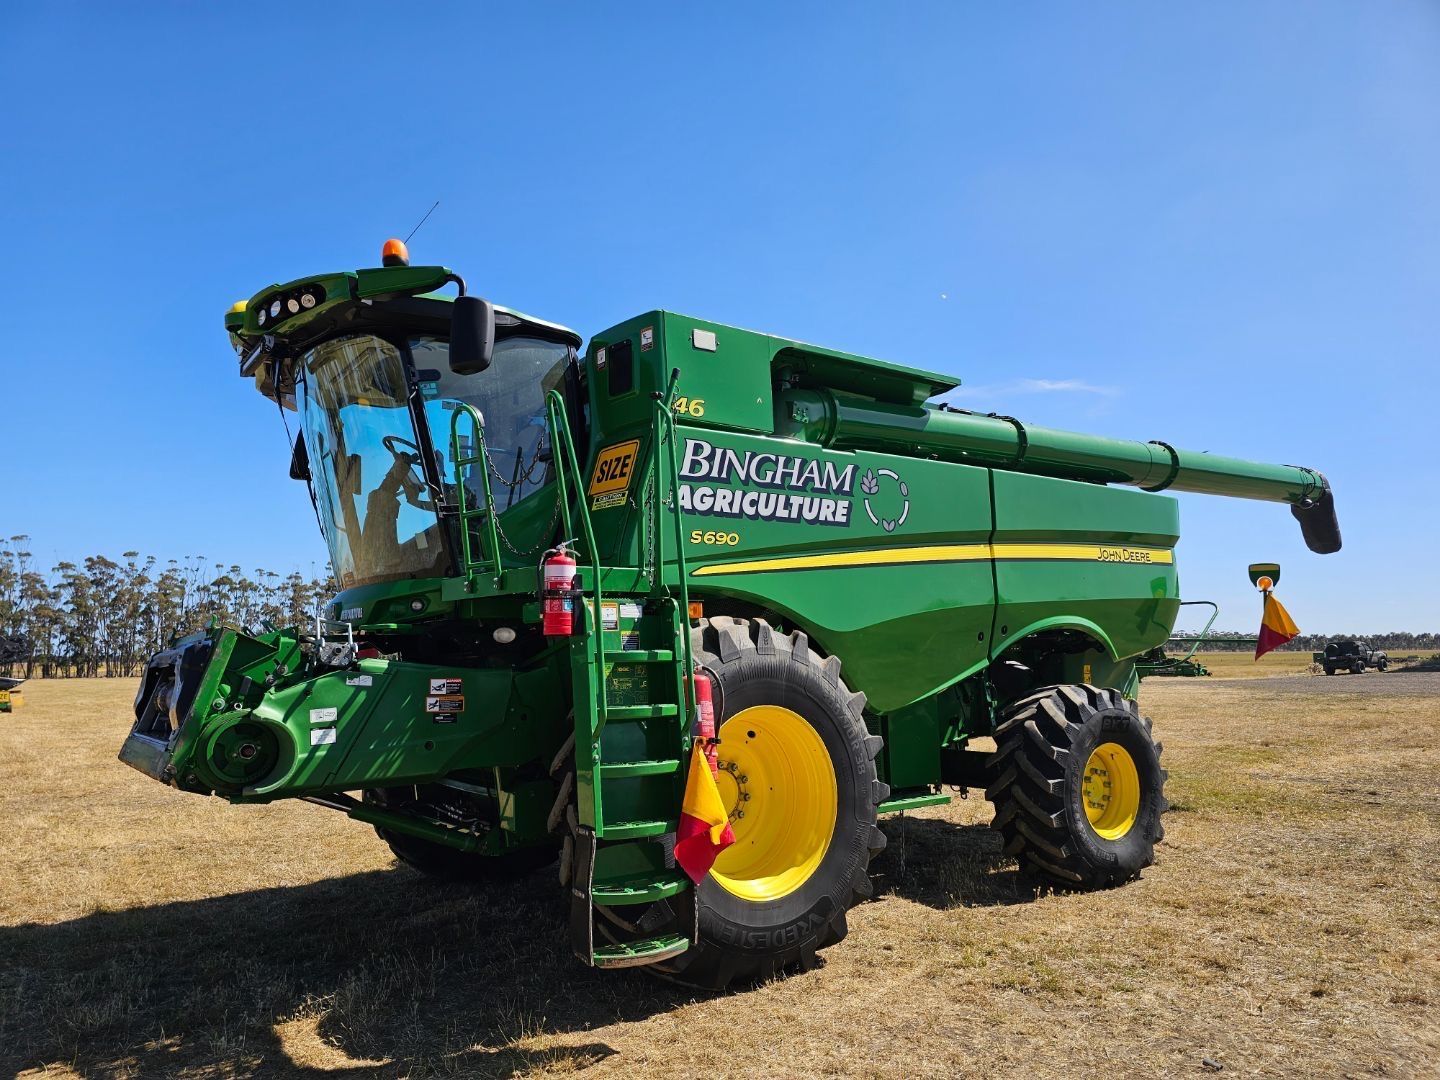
(1215, 224)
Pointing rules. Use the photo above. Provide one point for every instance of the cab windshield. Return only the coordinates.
(375, 472)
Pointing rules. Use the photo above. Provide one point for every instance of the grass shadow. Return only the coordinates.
(944, 865)
(400, 975)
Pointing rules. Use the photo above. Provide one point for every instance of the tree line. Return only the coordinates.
(106, 617)
(103, 616)
(1396, 641)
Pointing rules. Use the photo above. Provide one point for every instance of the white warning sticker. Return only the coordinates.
(360, 680)
(324, 716)
(322, 736)
(446, 686)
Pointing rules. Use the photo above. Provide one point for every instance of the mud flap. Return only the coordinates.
(582, 879)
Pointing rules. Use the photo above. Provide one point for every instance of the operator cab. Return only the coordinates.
(368, 369)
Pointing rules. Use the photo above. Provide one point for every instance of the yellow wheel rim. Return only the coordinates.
(778, 784)
(1111, 789)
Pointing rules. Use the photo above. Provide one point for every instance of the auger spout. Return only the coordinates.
(1003, 442)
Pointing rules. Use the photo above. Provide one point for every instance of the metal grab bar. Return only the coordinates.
(665, 432)
(563, 449)
(458, 461)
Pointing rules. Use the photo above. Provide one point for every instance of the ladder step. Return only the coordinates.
(639, 712)
(638, 953)
(639, 888)
(617, 770)
(640, 656)
(629, 830)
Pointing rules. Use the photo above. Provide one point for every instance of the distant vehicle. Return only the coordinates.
(12, 649)
(1351, 656)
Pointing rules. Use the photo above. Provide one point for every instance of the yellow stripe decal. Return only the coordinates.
(944, 553)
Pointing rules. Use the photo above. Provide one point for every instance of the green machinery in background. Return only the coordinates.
(12, 651)
(10, 696)
(865, 579)
(1158, 662)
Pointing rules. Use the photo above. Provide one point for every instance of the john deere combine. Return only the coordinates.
(546, 555)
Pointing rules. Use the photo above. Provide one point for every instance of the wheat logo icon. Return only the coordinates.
(870, 488)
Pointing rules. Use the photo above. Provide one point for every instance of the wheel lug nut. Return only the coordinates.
(744, 779)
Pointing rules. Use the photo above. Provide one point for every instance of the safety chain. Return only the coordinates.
(647, 531)
(526, 477)
(545, 536)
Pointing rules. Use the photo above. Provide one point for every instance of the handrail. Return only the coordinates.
(563, 449)
(555, 420)
(665, 429)
(1214, 614)
(458, 462)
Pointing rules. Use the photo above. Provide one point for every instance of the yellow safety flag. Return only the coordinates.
(704, 830)
(1276, 626)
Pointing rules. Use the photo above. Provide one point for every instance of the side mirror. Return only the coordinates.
(472, 335)
(300, 459)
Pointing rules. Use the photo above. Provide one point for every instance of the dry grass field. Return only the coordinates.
(1291, 927)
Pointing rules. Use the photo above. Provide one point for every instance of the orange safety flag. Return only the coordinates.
(704, 829)
(1276, 626)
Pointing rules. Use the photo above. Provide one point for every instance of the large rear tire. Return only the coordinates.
(1078, 788)
(447, 863)
(800, 783)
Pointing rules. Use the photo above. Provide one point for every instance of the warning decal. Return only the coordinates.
(445, 707)
(614, 467)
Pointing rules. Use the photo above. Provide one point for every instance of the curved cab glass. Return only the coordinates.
(376, 503)
(376, 509)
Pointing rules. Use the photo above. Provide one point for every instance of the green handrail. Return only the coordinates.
(665, 431)
(563, 449)
(555, 422)
(459, 462)
(1214, 614)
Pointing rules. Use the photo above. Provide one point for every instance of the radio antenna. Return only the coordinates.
(422, 221)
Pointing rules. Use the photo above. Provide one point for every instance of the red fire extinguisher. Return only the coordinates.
(705, 718)
(557, 601)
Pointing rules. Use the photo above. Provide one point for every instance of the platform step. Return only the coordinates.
(620, 770)
(631, 830)
(639, 953)
(639, 888)
(640, 656)
(640, 712)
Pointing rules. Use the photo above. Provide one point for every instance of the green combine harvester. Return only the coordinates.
(550, 558)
